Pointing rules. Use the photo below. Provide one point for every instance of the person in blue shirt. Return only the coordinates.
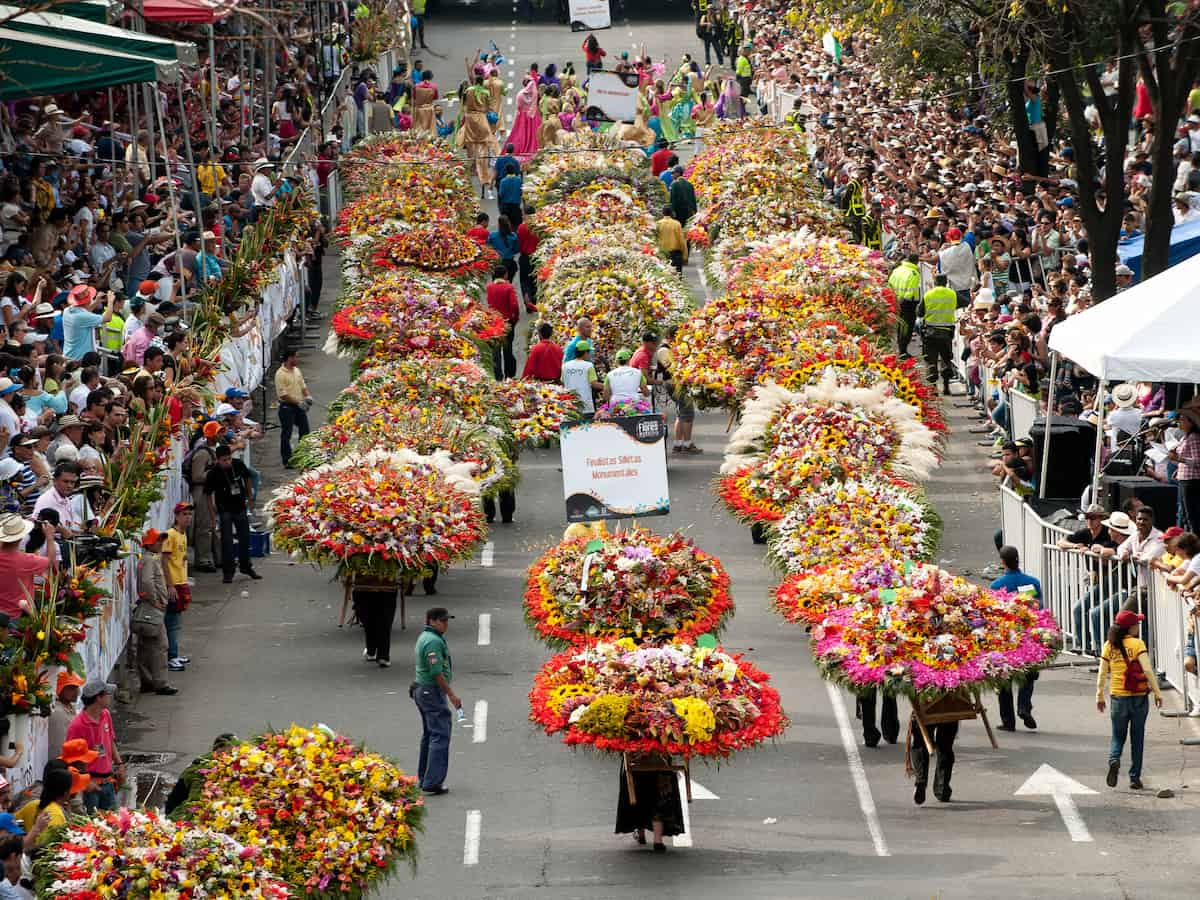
(509, 195)
(1014, 580)
(504, 241)
(505, 160)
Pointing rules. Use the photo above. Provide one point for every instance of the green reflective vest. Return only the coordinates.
(905, 282)
(743, 68)
(940, 303)
(112, 333)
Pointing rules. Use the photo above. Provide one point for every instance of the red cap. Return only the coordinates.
(1173, 532)
(1127, 618)
(183, 505)
(147, 287)
(954, 235)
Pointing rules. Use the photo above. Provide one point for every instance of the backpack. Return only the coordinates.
(185, 464)
(1135, 681)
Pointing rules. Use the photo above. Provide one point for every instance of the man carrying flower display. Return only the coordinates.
(430, 690)
(1017, 581)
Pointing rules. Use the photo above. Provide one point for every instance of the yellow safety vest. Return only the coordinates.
(940, 304)
(744, 69)
(905, 282)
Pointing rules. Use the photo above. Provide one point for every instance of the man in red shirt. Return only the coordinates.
(479, 234)
(660, 159)
(643, 358)
(502, 297)
(94, 725)
(544, 362)
(527, 243)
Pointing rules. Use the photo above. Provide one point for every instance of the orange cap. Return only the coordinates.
(66, 678)
(153, 536)
(79, 781)
(212, 429)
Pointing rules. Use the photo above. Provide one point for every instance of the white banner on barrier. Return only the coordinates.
(615, 469)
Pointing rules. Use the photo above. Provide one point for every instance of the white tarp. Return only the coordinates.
(589, 15)
(1150, 332)
(608, 92)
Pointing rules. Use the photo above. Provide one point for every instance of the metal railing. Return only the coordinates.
(1022, 411)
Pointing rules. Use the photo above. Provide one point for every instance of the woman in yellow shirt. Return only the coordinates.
(37, 816)
(1130, 698)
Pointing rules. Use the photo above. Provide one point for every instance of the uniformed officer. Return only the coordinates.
(430, 690)
(937, 310)
(905, 282)
(743, 70)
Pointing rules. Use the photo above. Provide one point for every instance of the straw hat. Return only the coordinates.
(1119, 522)
(1124, 394)
(13, 528)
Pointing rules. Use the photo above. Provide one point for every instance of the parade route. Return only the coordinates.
(815, 814)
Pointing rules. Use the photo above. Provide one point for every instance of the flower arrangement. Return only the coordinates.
(401, 314)
(330, 818)
(381, 514)
(826, 432)
(924, 632)
(623, 292)
(363, 171)
(634, 583)
(676, 699)
(538, 410)
(416, 194)
(423, 430)
(807, 597)
(841, 519)
(602, 205)
(857, 363)
(139, 853)
(438, 249)
(617, 408)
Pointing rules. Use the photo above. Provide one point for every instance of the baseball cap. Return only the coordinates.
(183, 505)
(583, 346)
(96, 688)
(624, 355)
(9, 823)
(66, 678)
(212, 429)
(437, 614)
(153, 536)
(235, 394)
(225, 409)
(1127, 618)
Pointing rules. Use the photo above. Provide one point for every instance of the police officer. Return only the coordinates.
(744, 72)
(936, 312)
(905, 282)
(430, 690)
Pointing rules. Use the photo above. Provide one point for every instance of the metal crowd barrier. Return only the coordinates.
(1022, 411)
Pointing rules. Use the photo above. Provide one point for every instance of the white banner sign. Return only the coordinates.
(590, 15)
(614, 94)
(615, 469)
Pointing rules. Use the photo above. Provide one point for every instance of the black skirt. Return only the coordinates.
(657, 798)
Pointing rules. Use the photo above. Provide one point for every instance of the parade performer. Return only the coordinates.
(477, 133)
(425, 92)
(527, 122)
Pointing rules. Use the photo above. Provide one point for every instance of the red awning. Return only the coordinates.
(204, 12)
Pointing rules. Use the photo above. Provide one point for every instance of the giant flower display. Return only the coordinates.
(790, 442)
(920, 631)
(843, 518)
(329, 817)
(136, 854)
(438, 249)
(403, 313)
(672, 698)
(807, 597)
(605, 204)
(537, 409)
(623, 292)
(455, 384)
(381, 514)
(634, 582)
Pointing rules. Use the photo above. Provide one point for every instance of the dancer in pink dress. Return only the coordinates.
(524, 134)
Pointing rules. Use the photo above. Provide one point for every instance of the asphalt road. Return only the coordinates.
(814, 815)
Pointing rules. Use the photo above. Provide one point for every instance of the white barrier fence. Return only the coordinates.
(1084, 591)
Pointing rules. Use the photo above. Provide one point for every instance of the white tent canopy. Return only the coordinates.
(1150, 332)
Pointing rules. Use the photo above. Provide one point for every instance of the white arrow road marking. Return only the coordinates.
(471, 842)
(699, 792)
(485, 629)
(480, 734)
(858, 773)
(1048, 780)
(488, 556)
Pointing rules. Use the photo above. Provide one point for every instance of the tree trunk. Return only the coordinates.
(1014, 88)
(1156, 248)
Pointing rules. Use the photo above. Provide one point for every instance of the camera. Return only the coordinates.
(91, 548)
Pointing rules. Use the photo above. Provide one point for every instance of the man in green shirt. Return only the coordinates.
(430, 690)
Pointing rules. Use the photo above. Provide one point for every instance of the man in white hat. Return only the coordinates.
(262, 187)
(1126, 417)
(18, 569)
(10, 423)
(1124, 277)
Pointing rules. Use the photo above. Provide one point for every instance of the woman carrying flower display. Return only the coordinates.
(656, 805)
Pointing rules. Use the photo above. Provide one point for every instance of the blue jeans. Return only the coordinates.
(1100, 617)
(105, 798)
(171, 621)
(1128, 714)
(435, 735)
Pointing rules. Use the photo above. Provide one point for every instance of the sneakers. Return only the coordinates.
(436, 791)
(183, 659)
(385, 663)
(175, 665)
(368, 655)
(1136, 784)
